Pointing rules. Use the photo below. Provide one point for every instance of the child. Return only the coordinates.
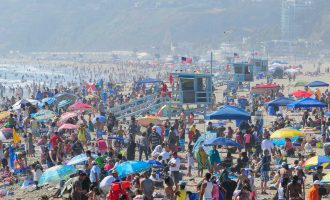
(190, 159)
(37, 172)
(94, 193)
(182, 194)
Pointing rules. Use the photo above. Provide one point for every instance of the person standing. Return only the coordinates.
(77, 191)
(147, 186)
(95, 173)
(174, 164)
(155, 139)
(207, 188)
(214, 159)
(267, 144)
(265, 168)
(143, 146)
(313, 192)
(294, 190)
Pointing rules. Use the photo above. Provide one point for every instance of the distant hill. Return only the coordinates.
(102, 25)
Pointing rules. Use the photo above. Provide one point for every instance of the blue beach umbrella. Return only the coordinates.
(64, 103)
(56, 174)
(79, 159)
(131, 167)
(222, 141)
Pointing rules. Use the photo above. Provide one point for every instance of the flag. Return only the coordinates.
(16, 137)
(186, 60)
(236, 55)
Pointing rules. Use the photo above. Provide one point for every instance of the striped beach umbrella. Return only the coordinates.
(315, 161)
(65, 116)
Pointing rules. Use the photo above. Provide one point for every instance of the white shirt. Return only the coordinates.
(267, 144)
(95, 173)
(175, 161)
(37, 174)
(165, 155)
(280, 191)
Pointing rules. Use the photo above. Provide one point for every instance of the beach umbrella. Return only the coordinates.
(100, 118)
(154, 163)
(106, 183)
(6, 134)
(145, 121)
(201, 140)
(300, 84)
(56, 174)
(315, 161)
(65, 116)
(132, 167)
(80, 159)
(328, 115)
(48, 100)
(4, 115)
(326, 178)
(24, 102)
(317, 84)
(64, 103)
(222, 141)
(68, 127)
(281, 142)
(80, 107)
(286, 133)
(44, 115)
(301, 93)
(309, 130)
(66, 96)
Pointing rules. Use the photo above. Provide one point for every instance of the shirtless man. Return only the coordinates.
(294, 190)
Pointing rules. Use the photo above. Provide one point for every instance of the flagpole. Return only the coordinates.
(211, 61)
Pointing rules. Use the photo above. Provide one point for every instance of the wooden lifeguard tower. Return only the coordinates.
(243, 75)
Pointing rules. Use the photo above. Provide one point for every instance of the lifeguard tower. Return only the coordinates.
(260, 66)
(243, 75)
(193, 90)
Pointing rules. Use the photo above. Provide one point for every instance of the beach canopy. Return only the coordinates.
(149, 80)
(229, 112)
(307, 103)
(317, 84)
(302, 93)
(286, 133)
(56, 174)
(132, 167)
(222, 141)
(281, 101)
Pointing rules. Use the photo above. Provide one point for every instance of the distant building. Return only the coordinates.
(294, 16)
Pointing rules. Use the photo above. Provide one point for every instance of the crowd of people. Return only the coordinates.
(183, 170)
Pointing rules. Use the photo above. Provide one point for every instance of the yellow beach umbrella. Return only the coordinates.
(286, 133)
